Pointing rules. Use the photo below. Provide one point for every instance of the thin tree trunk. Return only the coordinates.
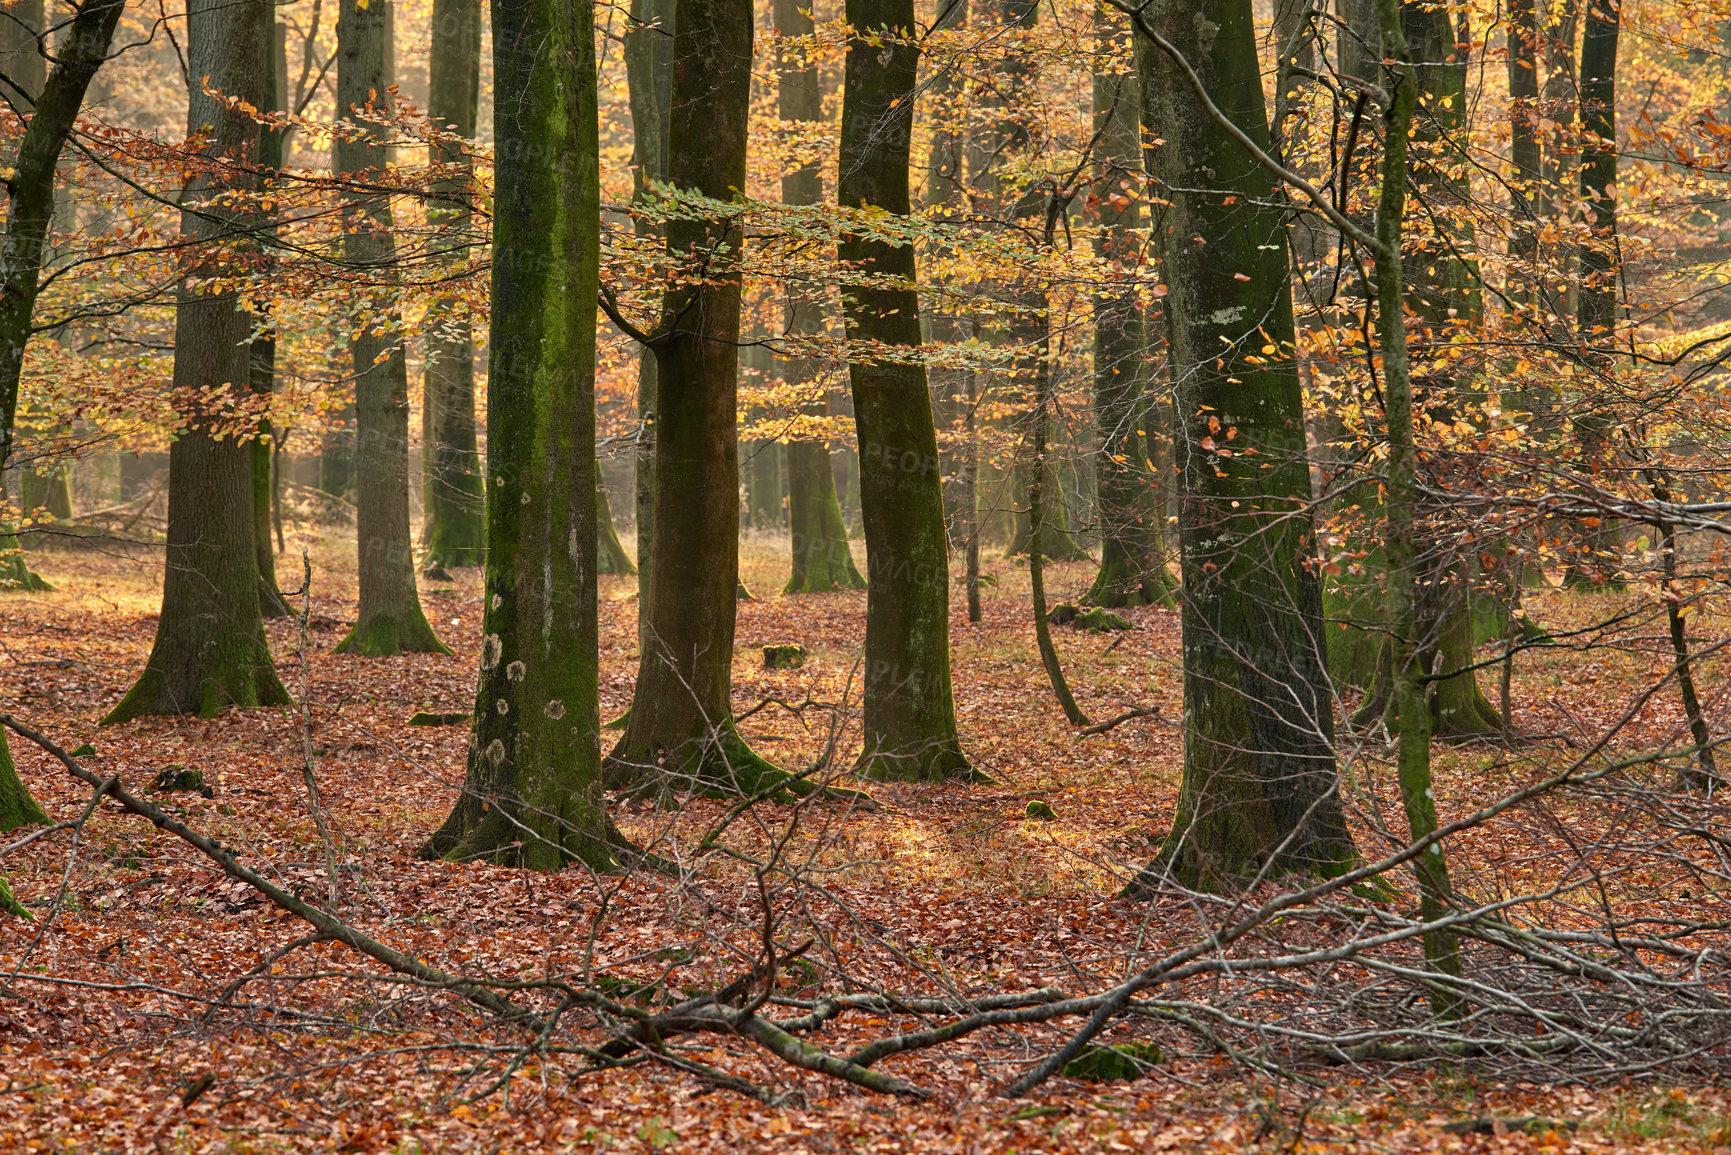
(1401, 506)
(389, 620)
(1523, 41)
(821, 558)
(612, 558)
(681, 718)
(1596, 565)
(452, 490)
(210, 648)
(1260, 780)
(910, 717)
(532, 793)
(1037, 524)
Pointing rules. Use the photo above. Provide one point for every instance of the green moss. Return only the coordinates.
(1120, 1062)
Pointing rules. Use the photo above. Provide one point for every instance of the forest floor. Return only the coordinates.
(109, 1009)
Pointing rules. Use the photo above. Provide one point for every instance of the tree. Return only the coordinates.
(1596, 293)
(821, 558)
(263, 377)
(1260, 785)
(649, 84)
(30, 198)
(1132, 538)
(390, 620)
(910, 716)
(681, 717)
(532, 791)
(210, 648)
(455, 530)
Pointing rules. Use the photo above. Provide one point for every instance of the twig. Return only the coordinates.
(1102, 727)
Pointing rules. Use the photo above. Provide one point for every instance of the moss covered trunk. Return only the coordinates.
(532, 791)
(210, 648)
(681, 711)
(455, 526)
(1260, 779)
(389, 620)
(910, 718)
(1132, 538)
(821, 558)
(611, 558)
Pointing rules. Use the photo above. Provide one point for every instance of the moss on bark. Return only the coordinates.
(17, 807)
(532, 789)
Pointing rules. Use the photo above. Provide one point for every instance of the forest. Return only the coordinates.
(865, 575)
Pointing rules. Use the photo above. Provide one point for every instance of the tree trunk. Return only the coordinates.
(210, 648)
(1132, 539)
(263, 378)
(1523, 40)
(681, 718)
(612, 558)
(532, 792)
(1259, 773)
(389, 620)
(649, 82)
(452, 492)
(821, 558)
(1596, 565)
(17, 807)
(1401, 505)
(910, 717)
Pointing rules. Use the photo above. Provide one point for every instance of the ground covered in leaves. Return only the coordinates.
(125, 1023)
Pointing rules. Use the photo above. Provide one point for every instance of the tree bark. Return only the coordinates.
(263, 377)
(1401, 504)
(210, 648)
(389, 620)
(680, 727)
(1260, 780)
(612, 558)
(1132, 538)
(910, 718)
(1596, 564)
(452, 491)
(532, 793)
(822, 560)
(649, 84)
(1523, 41)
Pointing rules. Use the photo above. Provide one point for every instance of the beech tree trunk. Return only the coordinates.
(452, 490)
(1596, 564)
(1128, 420)
(680, 726)
(821, 558)
(390, 620)
(910, 718)
(270, 160)
(210, 648)
(1260, 780)
(532, 792)
(649, 84)
(612, 558)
